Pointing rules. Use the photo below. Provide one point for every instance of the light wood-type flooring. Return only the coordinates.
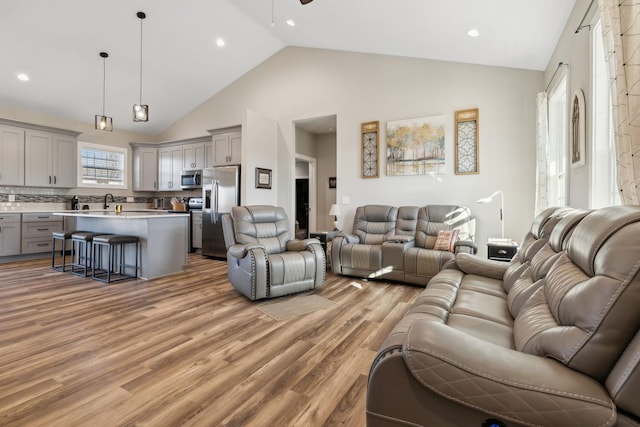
(184, 350)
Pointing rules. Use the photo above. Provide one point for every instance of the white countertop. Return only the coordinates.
(132, 214)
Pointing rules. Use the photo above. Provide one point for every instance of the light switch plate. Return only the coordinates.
(346, 200)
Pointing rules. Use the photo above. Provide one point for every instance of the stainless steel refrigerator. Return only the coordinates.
(220, 192)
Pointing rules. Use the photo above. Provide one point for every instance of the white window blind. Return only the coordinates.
(101, 166)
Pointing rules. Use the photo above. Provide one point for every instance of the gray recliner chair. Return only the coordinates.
(263, 261)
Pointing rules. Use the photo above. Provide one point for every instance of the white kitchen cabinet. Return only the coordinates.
(227, 148)
(208, 155)
(196, 230)
(36, 231)
(169, 168)
(145, 168)
(9, 234)
(11, 155)
(50, 159)
(193, 156)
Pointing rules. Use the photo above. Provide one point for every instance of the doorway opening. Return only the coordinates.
(315, 148)
(306, 195)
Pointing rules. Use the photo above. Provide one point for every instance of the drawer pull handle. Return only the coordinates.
(43, 229)
(42, 244)
(44, 217)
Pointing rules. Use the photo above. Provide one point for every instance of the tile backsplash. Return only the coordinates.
(37, 199)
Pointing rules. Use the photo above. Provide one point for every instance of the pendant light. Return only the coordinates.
(140, 111)
(102, 121)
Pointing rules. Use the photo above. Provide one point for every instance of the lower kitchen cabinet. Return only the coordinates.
(9, 234)
(196, 230)
(36, 231)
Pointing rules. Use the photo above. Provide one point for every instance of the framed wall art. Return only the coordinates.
(369, 144)
(332, 182)
(263, 178)
(467, 146)
(577, 139)
(416, 146)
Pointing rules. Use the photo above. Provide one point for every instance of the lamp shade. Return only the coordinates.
(140, 113)
(335, 210)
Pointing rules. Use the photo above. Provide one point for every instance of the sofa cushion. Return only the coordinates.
(373, 224)
(586, 312)
(266, 225)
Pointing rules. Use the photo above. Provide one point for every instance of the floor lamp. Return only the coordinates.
(489, 199)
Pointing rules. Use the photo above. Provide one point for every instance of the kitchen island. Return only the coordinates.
(164, 238)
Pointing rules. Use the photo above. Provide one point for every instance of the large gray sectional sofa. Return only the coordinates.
(550, 339)
(397, 243)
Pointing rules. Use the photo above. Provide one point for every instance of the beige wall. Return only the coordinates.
(575, 50)
(327, 157)
(298, 83)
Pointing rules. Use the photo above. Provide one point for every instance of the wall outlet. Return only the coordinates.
(12, 197)
(130, 199)
(346, 200)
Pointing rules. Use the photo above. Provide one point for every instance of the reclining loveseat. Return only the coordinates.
(402, 243)
(551, 339)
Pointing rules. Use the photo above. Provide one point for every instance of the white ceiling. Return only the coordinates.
(57, 43)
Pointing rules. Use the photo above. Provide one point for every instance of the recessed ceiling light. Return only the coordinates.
(473, 32)
(220, 42)
(22, 77)
(291, 22)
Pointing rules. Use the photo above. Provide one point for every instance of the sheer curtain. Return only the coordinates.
(542, 142)
(621, 36)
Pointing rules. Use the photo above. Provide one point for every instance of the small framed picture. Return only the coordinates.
(263, 178)
(332, 182)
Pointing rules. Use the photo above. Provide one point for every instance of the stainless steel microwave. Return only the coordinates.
(191, 179)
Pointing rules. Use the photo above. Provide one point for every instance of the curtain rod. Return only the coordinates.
(580, 26)
(560, 64)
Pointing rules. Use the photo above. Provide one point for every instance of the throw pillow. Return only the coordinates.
(446, 239)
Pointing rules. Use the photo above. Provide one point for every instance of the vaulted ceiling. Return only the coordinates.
(57, 44)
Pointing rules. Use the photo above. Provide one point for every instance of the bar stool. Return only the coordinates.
(81, 249)
(62, 236)
(116, 268)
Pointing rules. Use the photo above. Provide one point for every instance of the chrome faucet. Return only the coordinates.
(105, 200)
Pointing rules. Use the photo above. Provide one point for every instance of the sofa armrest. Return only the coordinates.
(465, 246)
(497, 380)
(301, 245)
(472, 264)
(349, 238)
(239, 251)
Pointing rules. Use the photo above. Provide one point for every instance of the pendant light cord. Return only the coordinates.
(141, 60)
(104, 83)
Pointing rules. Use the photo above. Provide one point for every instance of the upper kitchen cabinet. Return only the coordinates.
(194, 153)
(50, 159)
(11, 155)
(145, 168)
(227, 146)
(38, 156)
(169, 168)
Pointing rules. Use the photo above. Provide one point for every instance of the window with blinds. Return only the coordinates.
(101, 166)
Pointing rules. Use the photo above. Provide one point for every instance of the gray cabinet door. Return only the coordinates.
(11, 155)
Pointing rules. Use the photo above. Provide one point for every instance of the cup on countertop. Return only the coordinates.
(118, 208)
